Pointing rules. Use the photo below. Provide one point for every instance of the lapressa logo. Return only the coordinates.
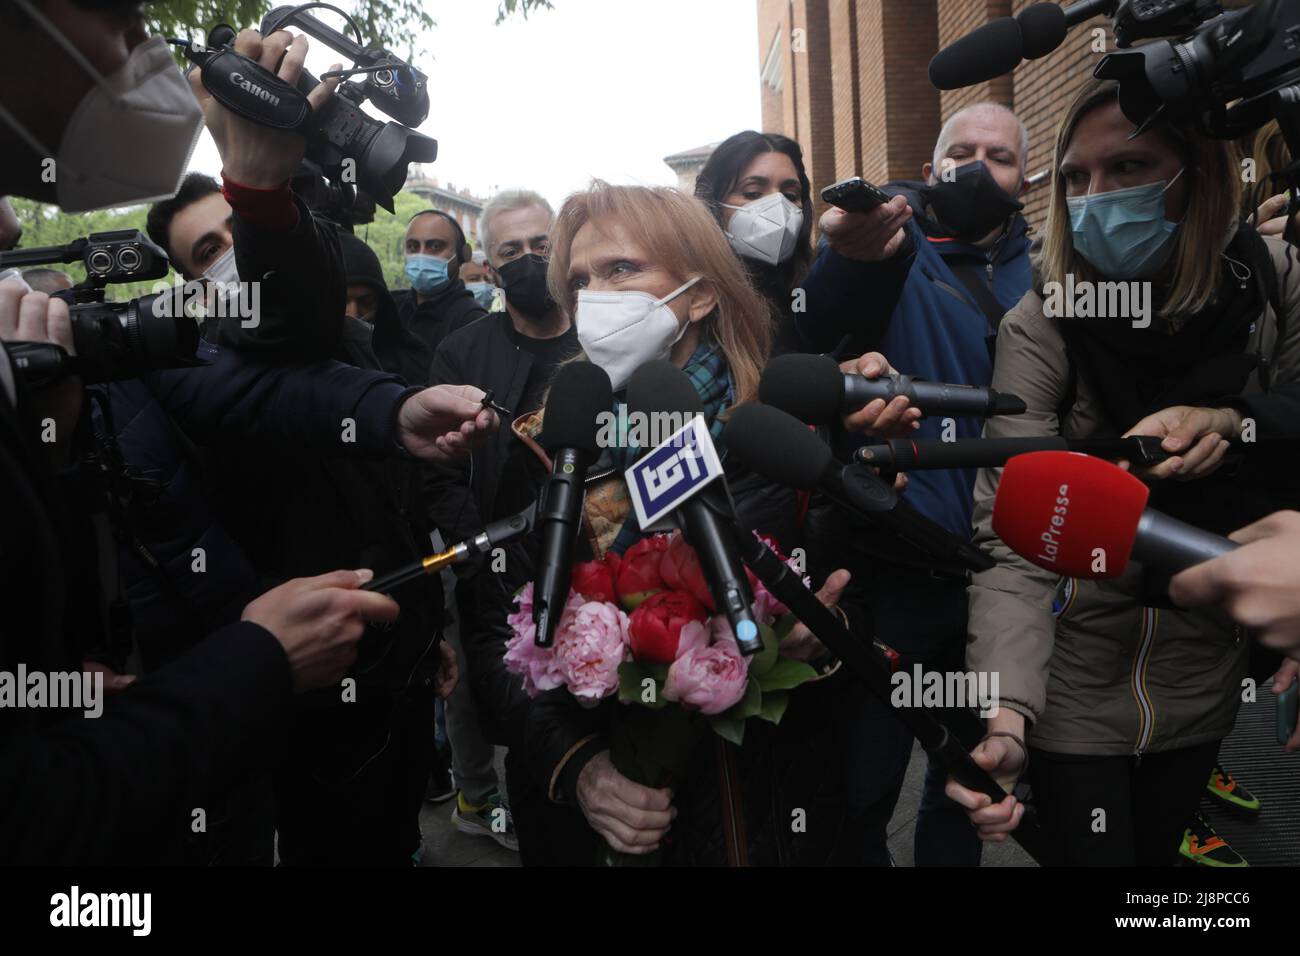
(946, 689)
(1098, 300)
(69, 690)
(253, 89)
(75, 908)
(1051, 538)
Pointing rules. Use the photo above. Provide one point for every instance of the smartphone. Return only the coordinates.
(1288, 711)
(854, 195)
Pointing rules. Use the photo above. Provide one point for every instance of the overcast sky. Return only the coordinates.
(593, 88)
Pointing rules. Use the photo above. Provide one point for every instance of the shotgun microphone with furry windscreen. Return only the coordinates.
(814, 390)
(580, 394)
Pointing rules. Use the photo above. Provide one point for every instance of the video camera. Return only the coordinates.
(114, 340)
(1227, 73)
(348, 145)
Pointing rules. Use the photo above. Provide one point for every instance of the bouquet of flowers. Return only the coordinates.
(644, 626)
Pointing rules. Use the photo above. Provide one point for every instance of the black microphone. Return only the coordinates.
(813, 389)
(580, 393)
(981, 55)
(659, 387)
(930, 454)
(1043, 26)
(499, 532)
(783, 450)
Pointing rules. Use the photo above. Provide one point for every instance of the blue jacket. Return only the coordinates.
(921, 316)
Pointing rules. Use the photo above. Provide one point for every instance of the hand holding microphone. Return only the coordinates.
(1198, 438)
(887, 418)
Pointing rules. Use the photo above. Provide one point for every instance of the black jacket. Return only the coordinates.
(447, 310)
(781, 769)
(483, 354)
(119, 788)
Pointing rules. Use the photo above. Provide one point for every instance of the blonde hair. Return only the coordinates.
(1213, 200)
(680, 235)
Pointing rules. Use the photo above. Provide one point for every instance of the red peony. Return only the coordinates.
(681, 571)
(656, 626)
(636, 573)
(594, 580)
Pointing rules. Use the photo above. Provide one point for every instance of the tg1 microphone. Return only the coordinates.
(814, 390)
(1086, 518)
(580, 393)
(658, 387)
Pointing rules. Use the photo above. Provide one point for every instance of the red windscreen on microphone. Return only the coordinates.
(1056, 509)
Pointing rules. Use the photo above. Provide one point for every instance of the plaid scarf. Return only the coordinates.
(707, 369)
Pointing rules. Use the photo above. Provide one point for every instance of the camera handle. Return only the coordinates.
(248, 89)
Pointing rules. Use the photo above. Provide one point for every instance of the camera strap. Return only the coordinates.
(245, 87)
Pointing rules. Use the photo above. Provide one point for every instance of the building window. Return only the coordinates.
(772, 76)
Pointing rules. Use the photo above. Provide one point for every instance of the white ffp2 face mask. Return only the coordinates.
(766, 229)
(621, 331)
(131, 136)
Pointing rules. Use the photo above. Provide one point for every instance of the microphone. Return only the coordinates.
(929, 454)
(658, 387)
(783, 450)
(981, 55)
(580, 393)
(1086, 518)
(813, 389)
(497, 533)
(1043, 26)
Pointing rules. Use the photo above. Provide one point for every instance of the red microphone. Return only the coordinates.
(1086, 518)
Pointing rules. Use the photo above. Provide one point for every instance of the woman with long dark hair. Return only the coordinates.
(758, 190)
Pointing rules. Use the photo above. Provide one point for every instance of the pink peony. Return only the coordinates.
(708, 679)
(536, 665)
(590, 646)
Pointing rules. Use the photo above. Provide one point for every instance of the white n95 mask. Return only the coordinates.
(767, 229)
(131, 136)
(621, 331)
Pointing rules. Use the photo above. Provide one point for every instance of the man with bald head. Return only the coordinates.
(944, 278)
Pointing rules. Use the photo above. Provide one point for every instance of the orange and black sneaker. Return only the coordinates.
(1224, 786)
(1203, 846)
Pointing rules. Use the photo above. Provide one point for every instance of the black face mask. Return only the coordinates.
(524, 280)
(971, 204)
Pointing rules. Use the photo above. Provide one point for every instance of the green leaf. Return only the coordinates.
(785, 675)
(749, 705)
(762, 662)
(774, 705)
(631, 678)
(728, 728)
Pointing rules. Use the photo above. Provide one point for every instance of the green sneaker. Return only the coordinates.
(491, 818)
(1225, 787)
(1204, 846)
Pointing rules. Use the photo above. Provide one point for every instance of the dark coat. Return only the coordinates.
(447, 310)
(119, 788)
(780, 769)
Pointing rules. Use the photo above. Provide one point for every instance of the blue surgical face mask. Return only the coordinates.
(428, 274)
(484, 293)
(1124, 232)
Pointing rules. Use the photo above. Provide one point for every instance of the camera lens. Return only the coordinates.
(128, 258)
(100, 262)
